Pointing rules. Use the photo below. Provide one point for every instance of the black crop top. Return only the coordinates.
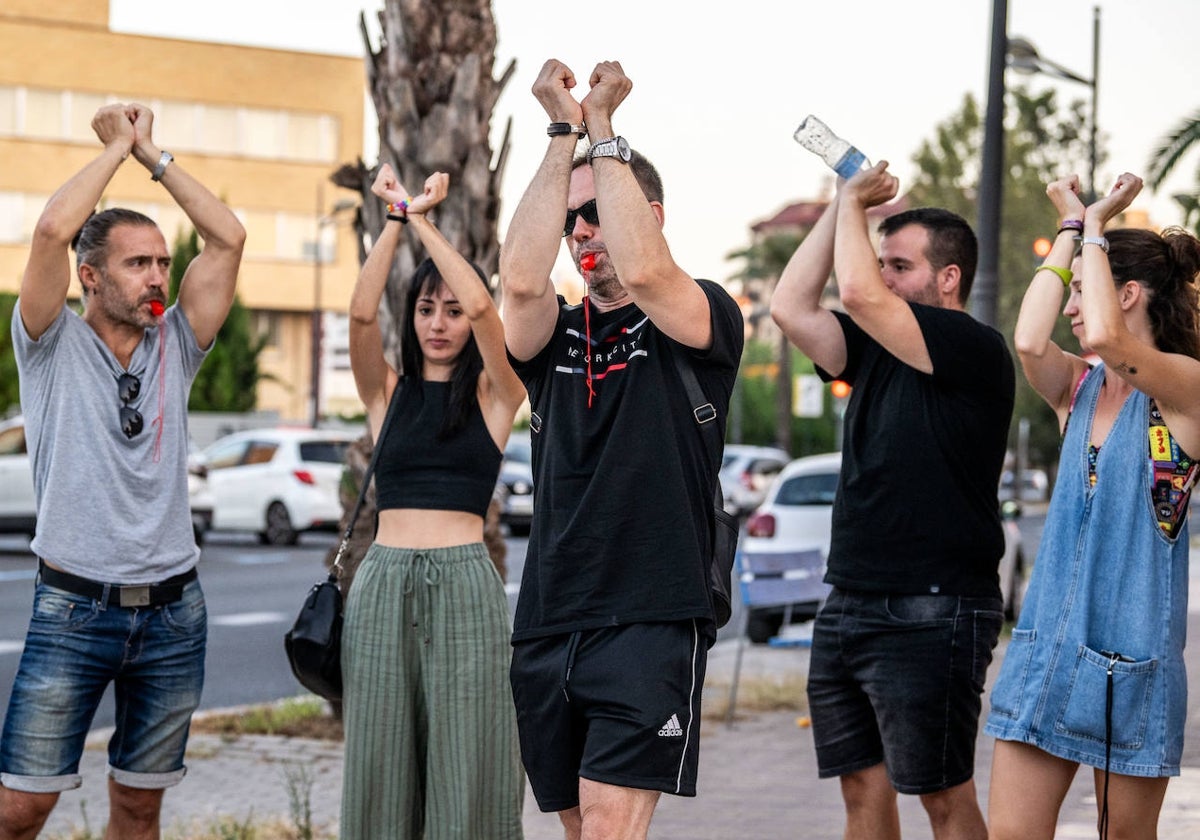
(416, 470)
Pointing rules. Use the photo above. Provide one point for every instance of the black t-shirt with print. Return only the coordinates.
(623, 488)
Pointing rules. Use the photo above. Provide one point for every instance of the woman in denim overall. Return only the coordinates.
(1094, 673)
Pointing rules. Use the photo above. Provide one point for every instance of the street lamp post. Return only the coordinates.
(991, 172)
(318, 311)
(1024, 58)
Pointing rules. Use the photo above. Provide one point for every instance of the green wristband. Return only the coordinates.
(1064, 274)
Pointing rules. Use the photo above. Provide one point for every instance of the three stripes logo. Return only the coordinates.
(671, 729)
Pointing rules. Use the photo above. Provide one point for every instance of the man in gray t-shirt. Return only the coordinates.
(105, 401)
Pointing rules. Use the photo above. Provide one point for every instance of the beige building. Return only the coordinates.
(262, 128)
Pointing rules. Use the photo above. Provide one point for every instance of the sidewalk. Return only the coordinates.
(758, 779)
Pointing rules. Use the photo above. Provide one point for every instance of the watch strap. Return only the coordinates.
(161, 167)
(558, 129)
(1097, 240)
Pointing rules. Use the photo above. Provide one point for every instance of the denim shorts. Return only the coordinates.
(898, 679)
(75, 647)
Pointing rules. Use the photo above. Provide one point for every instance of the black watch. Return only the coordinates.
(613, 147)
(557, 129)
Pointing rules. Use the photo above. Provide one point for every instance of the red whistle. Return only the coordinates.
(156, 308)
(587, 262)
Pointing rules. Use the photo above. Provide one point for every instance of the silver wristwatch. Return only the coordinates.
(613, 147)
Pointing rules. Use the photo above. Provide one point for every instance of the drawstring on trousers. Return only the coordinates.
(431, 575)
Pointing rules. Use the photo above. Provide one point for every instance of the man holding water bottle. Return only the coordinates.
(901, 647)
(105, 397)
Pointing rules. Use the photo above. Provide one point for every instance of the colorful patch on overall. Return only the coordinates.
(1174, 475)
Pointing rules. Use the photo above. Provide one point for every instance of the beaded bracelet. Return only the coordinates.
(401, 207)
(1064, 274)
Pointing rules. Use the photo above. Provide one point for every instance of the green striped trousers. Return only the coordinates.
(431, 743)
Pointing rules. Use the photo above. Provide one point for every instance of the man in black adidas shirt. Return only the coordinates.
(614, 617)
(901, 646)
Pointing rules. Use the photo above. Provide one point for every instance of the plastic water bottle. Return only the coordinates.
(844, 159)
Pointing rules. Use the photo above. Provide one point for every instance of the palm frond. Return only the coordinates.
(1173, 146)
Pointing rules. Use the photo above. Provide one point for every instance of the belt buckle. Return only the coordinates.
(135, 596)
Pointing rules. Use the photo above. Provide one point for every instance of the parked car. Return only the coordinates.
(746, 473)
(514, 485)
(797, 516)
(277, 482)
(1035, 486)
(18, 507)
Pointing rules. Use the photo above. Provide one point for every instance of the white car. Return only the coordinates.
(277, 482)
(797, 516)
(18, 507)
(746, 473)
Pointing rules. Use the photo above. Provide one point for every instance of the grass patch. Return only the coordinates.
(760, 694)
(296, 717)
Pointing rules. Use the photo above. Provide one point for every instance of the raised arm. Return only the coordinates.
(1052, 371)
(796, 302)
(47, 274)
(633, 227)
(502, 391)
(535, 232)
(1172, 378)
(206, 291)
(879, 311)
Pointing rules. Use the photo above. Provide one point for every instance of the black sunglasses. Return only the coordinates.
(587, 210)
(128, 388)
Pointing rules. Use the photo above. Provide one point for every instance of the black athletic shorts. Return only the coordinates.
(618, 705)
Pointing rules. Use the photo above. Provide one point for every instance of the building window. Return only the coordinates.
(266, 326)
(43, 113)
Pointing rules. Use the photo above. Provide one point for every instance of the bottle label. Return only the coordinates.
(851, 163)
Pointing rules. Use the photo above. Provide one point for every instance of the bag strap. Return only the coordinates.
(703, 411)
(366, 479)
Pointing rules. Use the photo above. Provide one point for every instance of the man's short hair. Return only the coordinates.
(951, 241)
(643, 172)
(91, 243)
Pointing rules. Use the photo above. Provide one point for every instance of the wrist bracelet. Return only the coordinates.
(1075, 225)
(557, 129)
(393, 217)
(400, 207)
(1064, 274)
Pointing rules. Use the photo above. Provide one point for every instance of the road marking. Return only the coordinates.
(263, 559)
(248, 619)
(11, 647)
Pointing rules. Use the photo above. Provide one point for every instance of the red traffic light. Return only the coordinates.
(840, 388)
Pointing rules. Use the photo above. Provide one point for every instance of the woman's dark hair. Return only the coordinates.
(1167, 266)
(465, 379)
(91, 243)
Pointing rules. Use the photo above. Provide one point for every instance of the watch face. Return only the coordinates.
(623, 150)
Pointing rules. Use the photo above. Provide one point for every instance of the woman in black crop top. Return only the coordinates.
(431, 746)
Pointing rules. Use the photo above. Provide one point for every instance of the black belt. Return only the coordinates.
(115, 594)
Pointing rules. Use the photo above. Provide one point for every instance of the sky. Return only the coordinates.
(718, 93)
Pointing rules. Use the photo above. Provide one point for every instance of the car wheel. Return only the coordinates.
(762, 626)
(279, 530)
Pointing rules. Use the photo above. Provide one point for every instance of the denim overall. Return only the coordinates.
(1108, 592)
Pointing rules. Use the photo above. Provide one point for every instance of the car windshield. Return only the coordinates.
(816, 489)
(324, 451)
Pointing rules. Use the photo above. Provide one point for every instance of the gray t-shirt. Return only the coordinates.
(109, 508)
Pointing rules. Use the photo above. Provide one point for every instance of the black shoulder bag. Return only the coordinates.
(314, 644)
(725, 530)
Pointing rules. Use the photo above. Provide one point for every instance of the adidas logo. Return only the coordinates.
(671, 729)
